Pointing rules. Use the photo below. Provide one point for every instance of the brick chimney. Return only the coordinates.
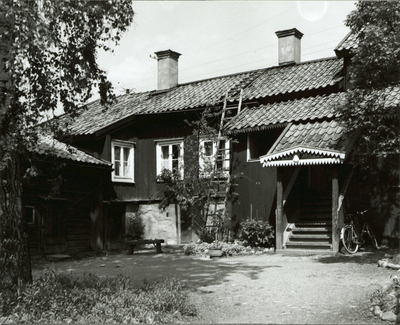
(289, 46)
(167, 69)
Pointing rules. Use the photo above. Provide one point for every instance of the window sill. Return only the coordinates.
(123, 180)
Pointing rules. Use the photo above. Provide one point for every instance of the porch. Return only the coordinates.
(312, 180)
(309, 212)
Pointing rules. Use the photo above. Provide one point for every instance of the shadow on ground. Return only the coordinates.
(366, 255)
(145, 266)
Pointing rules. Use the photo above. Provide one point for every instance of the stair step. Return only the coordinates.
(318, 207)
(315, 217)
(308, 244)
(304, 252)
(316, 229)
(311, 222)
(321, 210)
(310, 236)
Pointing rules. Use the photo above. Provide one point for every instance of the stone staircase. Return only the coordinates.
(313, 228)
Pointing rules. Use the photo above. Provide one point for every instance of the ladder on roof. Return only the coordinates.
(222, 163)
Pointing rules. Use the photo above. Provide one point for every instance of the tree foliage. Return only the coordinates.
(49, 49)
(376, 60)
(370, 112)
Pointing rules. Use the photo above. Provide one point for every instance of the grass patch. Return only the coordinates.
(59, 298)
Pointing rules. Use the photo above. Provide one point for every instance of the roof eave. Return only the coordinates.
(328, 154)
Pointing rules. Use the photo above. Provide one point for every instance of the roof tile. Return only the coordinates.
(256, 84)
(348, 43)
(305, 139)
(283, 112)
(47, 145)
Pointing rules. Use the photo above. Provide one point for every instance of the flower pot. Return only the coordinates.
(215, 253)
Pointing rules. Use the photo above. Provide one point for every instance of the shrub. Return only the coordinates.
(256, 233)
(134, 228)
(59, 298)
(228, 249)
(206, 236)
(387, 298)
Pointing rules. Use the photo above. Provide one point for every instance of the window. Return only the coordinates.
(122, 159)
(170, 156)
(209, 155)
(30, 215)
(259, 143)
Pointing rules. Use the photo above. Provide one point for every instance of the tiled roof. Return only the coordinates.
(314, 136)
(308, 108)
(294, 78)
(324, 135)
(47, 145)
(348, 43)
(94, 116)
(313, 142)
(268, 115)
(391, 97)
(186, 96)
(211, 92)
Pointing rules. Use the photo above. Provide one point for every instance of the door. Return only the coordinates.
(53, 227)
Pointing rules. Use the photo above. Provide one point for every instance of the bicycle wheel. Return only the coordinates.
(348, 240)
(372, 237)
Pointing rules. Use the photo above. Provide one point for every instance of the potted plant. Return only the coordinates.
(215, 249)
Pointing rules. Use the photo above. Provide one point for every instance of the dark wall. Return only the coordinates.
(144, 131)
(63, 209)
(256, 186)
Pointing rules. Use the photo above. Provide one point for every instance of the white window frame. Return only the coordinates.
(123, 145)
(161, 163)
(226, 162)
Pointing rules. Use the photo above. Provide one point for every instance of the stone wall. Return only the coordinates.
(160, 224)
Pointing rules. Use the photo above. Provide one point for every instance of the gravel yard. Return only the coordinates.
(268, 288)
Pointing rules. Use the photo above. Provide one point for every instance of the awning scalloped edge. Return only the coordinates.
(314, 151)
(302, 162)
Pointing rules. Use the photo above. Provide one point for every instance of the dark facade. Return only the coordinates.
(64, 204)
(288, 149)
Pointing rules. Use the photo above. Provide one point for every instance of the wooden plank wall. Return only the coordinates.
(144, 132)
(71, 207)
(256, 187)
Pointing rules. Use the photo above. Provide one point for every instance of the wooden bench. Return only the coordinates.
(155, 242)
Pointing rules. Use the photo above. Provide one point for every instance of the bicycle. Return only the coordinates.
(353, 236)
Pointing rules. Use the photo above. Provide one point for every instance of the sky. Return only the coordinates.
(219, 38)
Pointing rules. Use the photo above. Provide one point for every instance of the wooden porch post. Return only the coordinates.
(335, 213)
(279, 209)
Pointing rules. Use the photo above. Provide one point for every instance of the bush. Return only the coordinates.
(387, 297)
(56, 297)
(228, 249)
(256, 233)
(134, 228)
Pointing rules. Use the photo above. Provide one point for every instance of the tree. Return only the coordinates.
(49, 49)
(369, 113)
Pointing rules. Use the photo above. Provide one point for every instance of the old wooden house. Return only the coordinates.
(64, 202)
(288, 148)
